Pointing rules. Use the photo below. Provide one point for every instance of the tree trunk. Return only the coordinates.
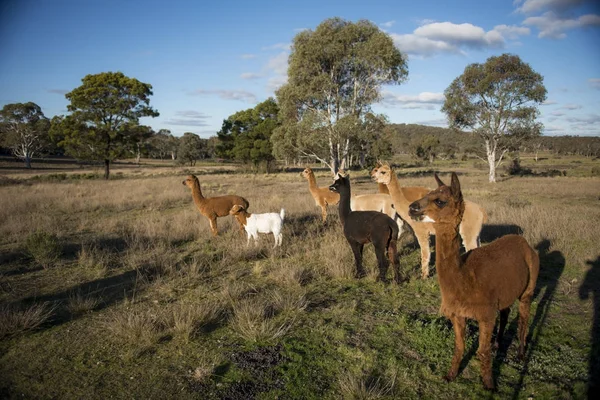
(27, 161)
(490, 150)
(106, 169)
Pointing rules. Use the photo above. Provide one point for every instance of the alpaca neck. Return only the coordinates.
(312, 182)
(396, 193)
(199, 199)
(453, 278)
(344, 205)
(382, 187)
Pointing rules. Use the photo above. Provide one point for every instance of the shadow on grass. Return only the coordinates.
(591, 285)
(552, 264)
(490, 232)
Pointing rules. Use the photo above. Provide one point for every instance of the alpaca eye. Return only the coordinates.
(440, 203)
(383, 172)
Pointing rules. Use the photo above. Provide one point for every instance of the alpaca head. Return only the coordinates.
(378, 165)
(341, 184)
(382, 174)
(306, 173)
(190, 181)
(443, 205)
(239, 213)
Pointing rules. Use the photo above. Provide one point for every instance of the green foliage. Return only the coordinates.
(191, 148)
(497, 100)
(44, 247)
(24, 129)
(246, 135)
(335, 73)
(104, 121)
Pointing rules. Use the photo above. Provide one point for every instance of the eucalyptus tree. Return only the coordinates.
(498, 100)
(24, 129)
(104, 120)
(335, 74)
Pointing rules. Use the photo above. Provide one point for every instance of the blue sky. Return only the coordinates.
(207, 60)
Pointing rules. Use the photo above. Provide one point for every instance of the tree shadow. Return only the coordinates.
(591, 285)
(552, 264)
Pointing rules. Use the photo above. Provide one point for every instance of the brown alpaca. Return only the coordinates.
(213, 207)
(470, 227)
(322, 196)
(482, 281)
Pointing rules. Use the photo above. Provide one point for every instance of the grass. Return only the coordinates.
(142, 301)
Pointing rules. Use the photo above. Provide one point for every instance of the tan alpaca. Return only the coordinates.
(381, 187)
(322, 196)
(213, 207)
(481, 282)
(470, 227)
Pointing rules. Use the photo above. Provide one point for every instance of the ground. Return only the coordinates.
(143, 303)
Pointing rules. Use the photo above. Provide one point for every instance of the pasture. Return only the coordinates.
(141, 302)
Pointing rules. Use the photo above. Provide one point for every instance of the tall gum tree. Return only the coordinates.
(24, 130)
(335, 73)
(105, 113)
(498, 101)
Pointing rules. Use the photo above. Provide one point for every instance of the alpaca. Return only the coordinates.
(470, 226)
(362, 227)
(213, 207)
(365, 202)
(481, 282)
(260, 223)
(381, 187)
(322, 196)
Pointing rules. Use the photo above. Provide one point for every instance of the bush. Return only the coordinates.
(595, 171)
(44, 247)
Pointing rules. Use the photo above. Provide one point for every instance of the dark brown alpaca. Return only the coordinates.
(362, 227)
(482, 281)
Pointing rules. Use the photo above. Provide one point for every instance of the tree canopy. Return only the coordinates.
(497, 100)
(24, 129)
(246, 135)
(105, 113)
(335, 73)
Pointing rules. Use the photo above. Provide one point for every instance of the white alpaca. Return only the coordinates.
(260, 223)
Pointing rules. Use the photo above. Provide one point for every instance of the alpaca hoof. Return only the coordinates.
(360, 274)
(449, 377)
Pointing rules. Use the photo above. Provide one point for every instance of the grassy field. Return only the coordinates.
(116, 289)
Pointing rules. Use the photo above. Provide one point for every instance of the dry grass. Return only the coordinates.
(15, 320)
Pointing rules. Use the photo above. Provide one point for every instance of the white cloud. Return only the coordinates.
(241, 95)
(388, 24)
(559, 6)
(250, 75)
(570, 106)
(511, 31)
(248, 56)
(552, 26)
(277, 66)
(594, 82)
(440, 122)
(58, 91)
(188, 118)
(549, 102)
(447, 37)
(278, 46)
(424, 100)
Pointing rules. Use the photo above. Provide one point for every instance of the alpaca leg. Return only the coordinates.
(393, 257)
(324, 212)
(484, 352)
(459, 324)
(248, 241)
(280, 237)
(382, 261)
(357, 249)
(503, 321)
(524, 307)
(423, 239)
(213, 226)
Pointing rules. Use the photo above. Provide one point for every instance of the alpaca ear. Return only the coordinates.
(455, 186)
(438, 180)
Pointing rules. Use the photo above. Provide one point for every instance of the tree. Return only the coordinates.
(246, 135)
(335, 73)
(426, 147)
(105, 113)
(190, 148)
(24, 130)
(497, 100)
(163, 144)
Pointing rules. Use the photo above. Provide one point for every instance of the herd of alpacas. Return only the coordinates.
(476, 284)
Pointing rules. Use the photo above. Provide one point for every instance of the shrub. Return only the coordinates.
(15, 320)
(595, 171)
(44, 247)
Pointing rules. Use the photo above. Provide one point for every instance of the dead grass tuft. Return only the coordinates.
(15, 320)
